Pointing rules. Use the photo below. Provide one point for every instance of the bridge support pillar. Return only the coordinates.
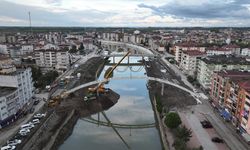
(162, 89)
(128, 59)
(114, 60)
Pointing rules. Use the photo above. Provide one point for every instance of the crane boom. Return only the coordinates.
(100, 87)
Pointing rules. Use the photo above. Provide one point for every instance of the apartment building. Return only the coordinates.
(244, 107)
(8, 105)
(52, 59)
(206, 67)
(245, 52)
(189, 61)
(230, 92)
(181, 47)
(218, 51)
(22, 80)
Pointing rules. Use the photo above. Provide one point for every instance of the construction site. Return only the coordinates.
(65, 109)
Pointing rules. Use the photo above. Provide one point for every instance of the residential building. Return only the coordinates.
(244, 107)
(52, 59)
(222, 85)
(189, 61)
(245, 52)
(181, 47)
(206, 67)
(21, 79)
(26, 49)
(8, 105)
(218, 51)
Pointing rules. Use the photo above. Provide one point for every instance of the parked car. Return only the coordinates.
(14, 142)
(36, 101)
(8, 147)
(35, 121)
(206, 124)
(25, 130)
(28, 126)
(38, 116)
(32, 110)
(217, 140)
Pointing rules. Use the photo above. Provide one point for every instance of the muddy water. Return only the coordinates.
(133, 108)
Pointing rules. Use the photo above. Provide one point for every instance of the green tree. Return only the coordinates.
(180, 144)
(36, 75)
(172, 120)
(183, 133)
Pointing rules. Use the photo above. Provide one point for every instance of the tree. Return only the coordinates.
(183, 133)
(180, 144)
(172, 120)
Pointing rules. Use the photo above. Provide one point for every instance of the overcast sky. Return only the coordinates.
(131, 13)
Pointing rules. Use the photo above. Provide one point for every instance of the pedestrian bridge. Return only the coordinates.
(119, 125)
(128, 45)
(164, 81)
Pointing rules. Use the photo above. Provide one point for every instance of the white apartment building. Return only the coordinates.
(3, 49)
(245, 52)
(218, 51)
(189, 61)
(52, 59)
(22, 80)
(26, 49)
(8, 105)
(179, 48)
(206, 67)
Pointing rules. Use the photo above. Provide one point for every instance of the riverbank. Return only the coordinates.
(60, 121)
(169, 97)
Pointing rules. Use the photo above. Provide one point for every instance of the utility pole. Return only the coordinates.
(30, 23)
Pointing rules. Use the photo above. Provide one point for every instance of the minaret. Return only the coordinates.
(30, 23)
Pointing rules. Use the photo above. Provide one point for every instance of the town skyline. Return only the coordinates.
(132, 13)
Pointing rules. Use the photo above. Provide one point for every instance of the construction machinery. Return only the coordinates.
(54, 101)
(100, 87)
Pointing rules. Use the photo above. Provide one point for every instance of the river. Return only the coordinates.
(133, 108)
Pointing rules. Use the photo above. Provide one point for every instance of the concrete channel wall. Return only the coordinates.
(160, 125)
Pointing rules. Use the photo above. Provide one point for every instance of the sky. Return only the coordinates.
(126, 13)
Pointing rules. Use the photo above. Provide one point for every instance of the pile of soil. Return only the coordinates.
(172, 97)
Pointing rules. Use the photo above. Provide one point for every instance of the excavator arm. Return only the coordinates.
(100, 86)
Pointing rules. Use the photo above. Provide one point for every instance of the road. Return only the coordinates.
(9, 131)
(223, 129)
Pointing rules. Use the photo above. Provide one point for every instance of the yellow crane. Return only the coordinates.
(100, 87)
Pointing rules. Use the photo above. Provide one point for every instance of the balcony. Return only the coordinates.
(246, 107)
(244, 120)
(229, 100)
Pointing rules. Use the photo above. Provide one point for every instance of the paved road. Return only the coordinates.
(220, 126)
(8, 132)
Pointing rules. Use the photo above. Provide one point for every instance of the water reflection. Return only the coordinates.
(133, 107)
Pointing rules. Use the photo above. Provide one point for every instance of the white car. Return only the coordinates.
(14, 142)
(8, 147)
(39, 115)
(28, 126)
(35, 121)
(24, 132)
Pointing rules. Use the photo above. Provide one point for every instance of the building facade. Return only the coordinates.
(52, 59)
(189, 61)
(22, 80)
(206, 67)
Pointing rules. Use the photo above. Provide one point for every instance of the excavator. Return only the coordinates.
(100, 89)
(92, 92)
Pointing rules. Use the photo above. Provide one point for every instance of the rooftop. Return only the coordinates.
(194, 53)
(4, 91)
(225, 59)
(233, 73)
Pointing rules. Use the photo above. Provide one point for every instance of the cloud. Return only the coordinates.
(203, 9)
(132, 13)
(51, 17)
